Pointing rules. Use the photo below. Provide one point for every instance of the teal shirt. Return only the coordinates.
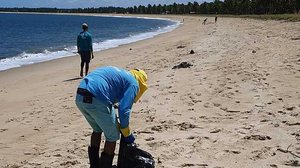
(84, 41)
(113, 85)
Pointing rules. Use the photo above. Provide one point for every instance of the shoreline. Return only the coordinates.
(237, 106)
(9, 63)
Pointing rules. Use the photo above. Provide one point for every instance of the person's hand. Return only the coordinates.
(129, 139)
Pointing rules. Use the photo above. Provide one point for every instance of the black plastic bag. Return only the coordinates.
(130, 156)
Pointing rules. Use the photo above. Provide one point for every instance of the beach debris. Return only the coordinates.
(181, 46)
(292, 124)
(182, 65)
(257, 137)
(296, 38)
(193, 165)
(232, 151)
(288, 151)
(158, 160)
(149, 139)
(130, 48)
(145, 132)
(215, 131)
(192, 52)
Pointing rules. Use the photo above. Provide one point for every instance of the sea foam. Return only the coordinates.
(31, 58)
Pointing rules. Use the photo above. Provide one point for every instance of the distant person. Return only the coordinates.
(85, 48)
(216, 19)
(96, 95)
(204, 21)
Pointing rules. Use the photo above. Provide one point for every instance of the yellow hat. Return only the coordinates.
(141, 78)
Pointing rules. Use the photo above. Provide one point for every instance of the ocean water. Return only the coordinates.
(32, 38)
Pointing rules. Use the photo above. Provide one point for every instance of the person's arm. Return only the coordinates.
(125, 106)
(78, 41)
(91, 46)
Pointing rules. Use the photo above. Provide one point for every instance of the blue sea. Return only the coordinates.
(32, 38)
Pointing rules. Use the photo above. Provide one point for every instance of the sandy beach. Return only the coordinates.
(236, 106)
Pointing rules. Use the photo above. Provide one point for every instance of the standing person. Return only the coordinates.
(216, 19)
(85, 48)
(96, 95)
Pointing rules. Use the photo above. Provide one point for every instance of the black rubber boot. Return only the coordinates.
(94, 157)
(106, 160)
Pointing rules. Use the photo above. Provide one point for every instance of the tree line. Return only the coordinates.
(235, 7)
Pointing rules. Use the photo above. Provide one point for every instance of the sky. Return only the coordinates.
(88, 3)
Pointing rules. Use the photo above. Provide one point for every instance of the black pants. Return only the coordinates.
(85, 56)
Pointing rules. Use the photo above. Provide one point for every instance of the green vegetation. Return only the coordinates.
(260, 9)
(288, 17)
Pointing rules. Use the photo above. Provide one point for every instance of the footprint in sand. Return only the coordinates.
(297, 136)
(156, 145)
(181, 46)
(70, 163)
(181, 126)
(263, 153)
(3, 129)
(207, 105)
(186, 126)
(191, 99)
(150, 119)
(160, 128)
(294, 163)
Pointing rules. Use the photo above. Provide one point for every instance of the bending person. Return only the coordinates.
(96, 95)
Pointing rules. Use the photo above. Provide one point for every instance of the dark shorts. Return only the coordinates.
(85, 56)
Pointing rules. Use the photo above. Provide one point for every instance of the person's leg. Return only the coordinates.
(81, 69)
(96, 139)
(82, 63)
(109, 147)
(87, 62)
(107, 156)
(106, 119)
(86, 68)
(93, 149)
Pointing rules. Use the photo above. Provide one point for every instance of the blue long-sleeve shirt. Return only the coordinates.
(113, 85)
(84, 41)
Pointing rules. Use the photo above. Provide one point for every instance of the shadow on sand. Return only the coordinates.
(72, 79)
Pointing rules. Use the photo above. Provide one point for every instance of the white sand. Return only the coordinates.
(237, 106)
